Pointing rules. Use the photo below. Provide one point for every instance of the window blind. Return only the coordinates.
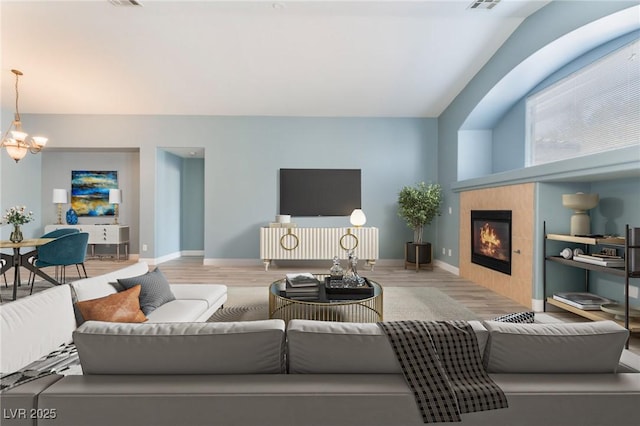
(595, 109)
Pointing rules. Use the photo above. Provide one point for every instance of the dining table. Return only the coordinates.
(18, 259)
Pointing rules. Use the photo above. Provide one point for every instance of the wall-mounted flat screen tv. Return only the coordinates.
(319, 192)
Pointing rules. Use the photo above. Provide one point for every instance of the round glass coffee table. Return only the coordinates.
(333, 307)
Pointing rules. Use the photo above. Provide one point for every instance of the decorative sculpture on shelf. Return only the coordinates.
(580, 203)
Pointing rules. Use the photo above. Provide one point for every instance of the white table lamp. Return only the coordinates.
(358, 218)
(60, 198)
(115, 198)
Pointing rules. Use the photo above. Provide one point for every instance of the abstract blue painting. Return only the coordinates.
(90, 192)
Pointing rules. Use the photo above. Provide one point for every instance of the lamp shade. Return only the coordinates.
(358, 218)
(115, 196)
(15, 149)
(59, 196)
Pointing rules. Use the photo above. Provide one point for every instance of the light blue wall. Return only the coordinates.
(557, 219)
(192, 204)
(475, 153)
(619, 206)
(56, 173)
(243, 168)
(168, 203)
(242, 159)
(539, 30)
(20, 185)
(508, 145)
(243, 154)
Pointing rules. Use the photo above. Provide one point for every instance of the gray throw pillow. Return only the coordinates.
(155, 290)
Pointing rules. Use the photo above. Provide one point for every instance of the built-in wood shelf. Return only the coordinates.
(583, 265)
(615, 241)
(634, 324)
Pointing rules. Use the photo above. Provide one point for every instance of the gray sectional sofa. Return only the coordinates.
(313, 373)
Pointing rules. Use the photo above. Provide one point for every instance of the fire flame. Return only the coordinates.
(490, 244)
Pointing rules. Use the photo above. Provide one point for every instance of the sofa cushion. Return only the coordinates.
(589, 347)
(325, 347)
(118, 307)
(250, 347)
(33, 326)
(179, 311)
(101, 285)
(155, 290)
(212, 293)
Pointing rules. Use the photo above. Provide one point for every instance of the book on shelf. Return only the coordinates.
(599, 260)
(304, 279)
(584, 301)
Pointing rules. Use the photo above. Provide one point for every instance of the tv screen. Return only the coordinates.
(319, 192)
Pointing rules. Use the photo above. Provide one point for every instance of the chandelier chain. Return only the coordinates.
(17, 96)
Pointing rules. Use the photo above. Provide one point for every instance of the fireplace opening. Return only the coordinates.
(491, 239)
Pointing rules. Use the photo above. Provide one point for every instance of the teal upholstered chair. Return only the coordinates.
(70, 249)
(53, 234)
(60, 232)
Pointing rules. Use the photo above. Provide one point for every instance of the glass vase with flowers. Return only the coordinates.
(17, 216)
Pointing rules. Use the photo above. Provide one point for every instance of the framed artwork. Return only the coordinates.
(90, 192)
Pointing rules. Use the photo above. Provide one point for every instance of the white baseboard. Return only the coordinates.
(537, 305)
(449, 268)
(192, 253)
(390, 262)
(232, 262)
(161, 259)
(253, 262)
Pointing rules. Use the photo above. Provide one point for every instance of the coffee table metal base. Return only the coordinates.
(363, 310)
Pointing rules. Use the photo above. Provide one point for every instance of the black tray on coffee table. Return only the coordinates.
(348, 293)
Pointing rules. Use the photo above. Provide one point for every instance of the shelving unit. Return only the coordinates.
(632, 325)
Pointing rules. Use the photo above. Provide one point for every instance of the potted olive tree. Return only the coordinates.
(418, 205)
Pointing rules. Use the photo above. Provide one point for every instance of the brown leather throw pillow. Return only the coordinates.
(119, 307)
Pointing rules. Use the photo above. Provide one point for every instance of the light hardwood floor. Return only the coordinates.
(484, 302)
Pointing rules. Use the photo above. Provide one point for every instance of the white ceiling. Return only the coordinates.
(262, 58)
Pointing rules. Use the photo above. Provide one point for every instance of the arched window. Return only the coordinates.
(593, 110)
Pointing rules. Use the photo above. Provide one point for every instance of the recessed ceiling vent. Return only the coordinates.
(123, 3)
(484, 4)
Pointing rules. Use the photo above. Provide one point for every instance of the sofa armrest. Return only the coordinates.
(20, 404)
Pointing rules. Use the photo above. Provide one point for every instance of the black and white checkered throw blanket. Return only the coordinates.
(442, 365)
(63, 360)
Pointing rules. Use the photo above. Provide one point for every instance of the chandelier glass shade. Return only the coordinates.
(15, 140)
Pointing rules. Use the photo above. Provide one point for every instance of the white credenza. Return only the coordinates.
(318, 244)
(117, 235)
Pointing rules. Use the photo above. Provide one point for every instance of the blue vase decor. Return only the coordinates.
(72, 217)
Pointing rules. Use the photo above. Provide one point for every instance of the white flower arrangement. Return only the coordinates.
(18, 215)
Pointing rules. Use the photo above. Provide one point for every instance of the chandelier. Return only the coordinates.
(17, 144)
